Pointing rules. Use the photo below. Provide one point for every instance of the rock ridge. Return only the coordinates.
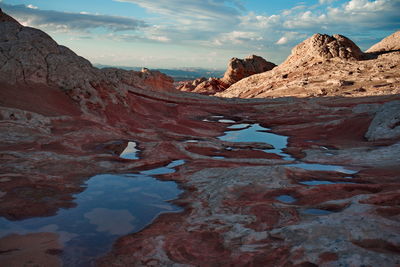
(325, 65)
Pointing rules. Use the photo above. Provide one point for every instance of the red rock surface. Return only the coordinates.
(52, 144)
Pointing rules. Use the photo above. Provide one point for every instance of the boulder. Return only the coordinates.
(386, 123)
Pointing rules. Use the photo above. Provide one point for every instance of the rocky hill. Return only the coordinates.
(30, 56)
(328, 66)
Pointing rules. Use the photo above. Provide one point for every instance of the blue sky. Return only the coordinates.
(200, 33)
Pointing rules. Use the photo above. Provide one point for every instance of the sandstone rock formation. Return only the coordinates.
(321, 47)
(237, 70)
(236, 213)
(210, 86)
(188, 86)
(390, 43)
(242, 68)
(325, 66)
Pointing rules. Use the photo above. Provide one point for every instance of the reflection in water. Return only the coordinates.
(226, 121)
(164, 170)
(257, 134)
(239, 126)
(111, 206)
(130, 151)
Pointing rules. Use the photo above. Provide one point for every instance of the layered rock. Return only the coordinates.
(237, 69)
(390, 43)
(235, 199)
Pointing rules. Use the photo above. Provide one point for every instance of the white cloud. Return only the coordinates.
(195, 13)
(355, 15)
(252, 20)
(237, 38)
(290, 38)
(283, 40)
(223, 25)
(323, 2)
(32, 6)
(56, 20)
(115, 222)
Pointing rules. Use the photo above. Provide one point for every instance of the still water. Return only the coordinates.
(110, 206)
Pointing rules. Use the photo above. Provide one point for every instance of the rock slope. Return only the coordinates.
(390, 43)
(28, 55)
(327, 66)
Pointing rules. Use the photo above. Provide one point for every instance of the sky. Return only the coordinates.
(200, 33)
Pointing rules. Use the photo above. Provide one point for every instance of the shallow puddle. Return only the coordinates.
(323, 182)
(316, 212)
(164, 170)
(258, 134)
(111, 206)
(322, 167)
(286, 199)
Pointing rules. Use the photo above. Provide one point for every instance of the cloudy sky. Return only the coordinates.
(200, 33)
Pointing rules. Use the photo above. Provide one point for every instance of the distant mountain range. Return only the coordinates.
(178, 74)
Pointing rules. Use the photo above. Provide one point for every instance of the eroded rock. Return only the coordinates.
(237, 70)
(242, 68)
(324, 47)
(386, 123)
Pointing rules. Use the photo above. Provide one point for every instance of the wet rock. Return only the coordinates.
(386, 123)
(33, 249)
